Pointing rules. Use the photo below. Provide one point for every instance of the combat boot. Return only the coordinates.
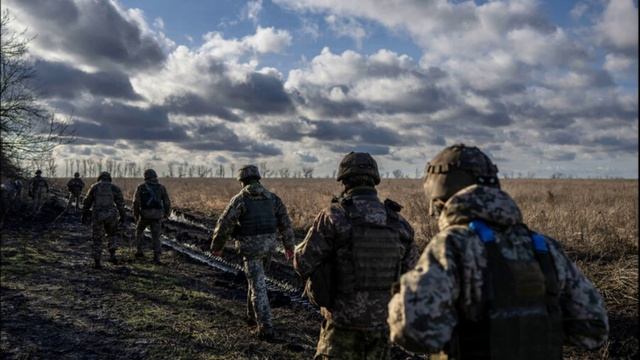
(266, 333)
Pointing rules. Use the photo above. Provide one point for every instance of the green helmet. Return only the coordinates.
(455, 168)
(358, 163)
(104, 176)
(150, 174)
(248, 172)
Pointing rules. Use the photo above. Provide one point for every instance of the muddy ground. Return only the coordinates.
(54, 304)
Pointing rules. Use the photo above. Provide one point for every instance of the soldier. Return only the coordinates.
(487, 287)
(103, 205)
(364, 245)
(150, 205)
(38, 190)
(75, 187)
(255, 215)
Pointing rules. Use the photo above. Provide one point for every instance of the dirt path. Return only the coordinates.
(54, 305)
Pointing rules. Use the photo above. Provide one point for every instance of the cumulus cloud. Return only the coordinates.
(618, 27)
(96, 34)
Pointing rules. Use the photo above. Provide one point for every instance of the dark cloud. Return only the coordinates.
(94, 31)
(59, 80)
(369, 148)
(260, 94)
(218, 137)
(194, 105)
(325, 130)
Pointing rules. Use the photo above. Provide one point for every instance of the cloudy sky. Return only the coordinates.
(543, 87)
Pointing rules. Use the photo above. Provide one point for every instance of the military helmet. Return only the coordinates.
(455, 168)
(77, 175)
(104, 176)
(150, 174)
(358, 163)
(248, 172)
(38, 172)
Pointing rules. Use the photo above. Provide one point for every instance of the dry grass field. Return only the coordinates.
(595, 220)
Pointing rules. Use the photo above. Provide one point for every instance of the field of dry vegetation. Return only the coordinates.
(595, 220)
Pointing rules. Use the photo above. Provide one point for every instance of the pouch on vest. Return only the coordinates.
(374, 252)
(319, 287)
(521, 320)
(103, 206)
(258, 218)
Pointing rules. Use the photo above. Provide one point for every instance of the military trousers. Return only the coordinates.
(155, 226)
(346, 343)
(104, 227)
(74, 197)
(258, 307)
(39, 198)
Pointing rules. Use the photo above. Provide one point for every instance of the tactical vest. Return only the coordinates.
(373, 253)
(103, 197)
(258, 218)
(38, 184)
(522, 317)
(151, 197)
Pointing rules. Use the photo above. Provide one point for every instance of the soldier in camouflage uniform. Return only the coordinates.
(255, 216)
(151, 204)
(75, 187)
(38, 190)
(367, 244)
(103, 206)
(487, 287)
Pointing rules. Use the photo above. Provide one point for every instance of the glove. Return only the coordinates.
(217, 253)
(288, 254)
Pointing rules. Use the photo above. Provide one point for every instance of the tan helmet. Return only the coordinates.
(358, 163)
(150, 174)
(452, 170)
(248, 172)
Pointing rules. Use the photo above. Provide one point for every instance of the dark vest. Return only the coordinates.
(372, 262)
(522, 316)
(258, 218)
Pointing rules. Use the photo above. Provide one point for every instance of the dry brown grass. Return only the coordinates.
(595, 220)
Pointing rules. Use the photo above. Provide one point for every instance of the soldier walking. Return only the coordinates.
(151, 204)
(255, 216)
(362, 246)
(103, 206)
(486, 286)
(75, 187)
(38, 190)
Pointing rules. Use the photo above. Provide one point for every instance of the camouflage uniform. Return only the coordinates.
(104, 216)
(38, 189)
(150, 216)
(75, 187)
(355, 327)
(255, 249)
(447, 285)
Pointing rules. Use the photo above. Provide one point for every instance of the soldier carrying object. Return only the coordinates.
(103, 206)
(38, 190)
(356, 250)
(255, 216)
(151, 204)
(487, 287)
(75, 187)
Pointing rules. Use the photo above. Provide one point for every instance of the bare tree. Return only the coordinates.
(28, 129)
(232, 167)
(284, 172)
(397, 173)
(307, 172)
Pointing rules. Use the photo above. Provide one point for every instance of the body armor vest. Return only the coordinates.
(522, 317)
(258, 218)
(370, 259)
(103, 197)
(75, 185)
(150, 197)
